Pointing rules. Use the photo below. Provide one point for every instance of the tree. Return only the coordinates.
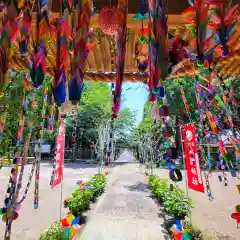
(94, 110)
(123, 127)
(11, 104)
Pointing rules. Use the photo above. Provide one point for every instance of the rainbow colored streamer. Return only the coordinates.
(8, 35)
(25, 25)
(158, 50)
(38, 69)
(121, 45)
(84, 13)
(63, 37)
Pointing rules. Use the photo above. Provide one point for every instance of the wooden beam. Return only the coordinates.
(173, 21)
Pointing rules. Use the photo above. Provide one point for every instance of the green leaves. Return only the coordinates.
(175, 202)
(82, 197)
(53, 233)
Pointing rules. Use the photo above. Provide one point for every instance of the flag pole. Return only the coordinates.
(185, 170)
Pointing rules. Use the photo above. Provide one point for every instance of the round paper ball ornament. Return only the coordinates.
(109, 20)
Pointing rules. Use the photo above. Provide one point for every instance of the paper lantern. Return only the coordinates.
(109, 20)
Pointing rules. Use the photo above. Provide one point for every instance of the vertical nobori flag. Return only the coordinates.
(60, 143)
(194, 174)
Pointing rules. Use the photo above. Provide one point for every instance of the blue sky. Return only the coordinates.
(134, 96)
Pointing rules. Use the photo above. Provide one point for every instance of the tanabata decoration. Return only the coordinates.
(121, 45)
(17, 206)
(158, 50)
(51, 117)
(2, 124)
(8, 35)
(141, 59)
(109, 20)
(39, 149)
(10, 201)
(78, 63)
(63, 38)
(142, 12)
(38, 69)
(70, 224)
(142, 15)
(25, 25)
(222, 22)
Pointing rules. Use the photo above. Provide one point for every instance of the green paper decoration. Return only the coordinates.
(139, 16)
(142, 39)
(203, 71)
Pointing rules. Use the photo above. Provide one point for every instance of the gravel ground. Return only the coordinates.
(214, 217)
(30, 221)
(125, 211)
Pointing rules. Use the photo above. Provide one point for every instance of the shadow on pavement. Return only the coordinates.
(168, 221)
(138, 187)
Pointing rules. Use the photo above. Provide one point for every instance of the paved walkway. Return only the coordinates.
(30, 222)
(125, 211)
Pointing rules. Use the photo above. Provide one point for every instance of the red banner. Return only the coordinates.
(60, 144)
(194, 174)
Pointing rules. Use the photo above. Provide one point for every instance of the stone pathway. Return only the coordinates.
(125, 211)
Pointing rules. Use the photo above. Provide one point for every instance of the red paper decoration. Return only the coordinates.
(109, 20)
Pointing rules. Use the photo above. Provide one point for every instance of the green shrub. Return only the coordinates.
(160, 188)
(97, 185)
(152, 181)
(55, 232)
(81, 198)
(177, 203)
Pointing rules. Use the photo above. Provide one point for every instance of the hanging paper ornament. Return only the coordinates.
(158, 50)
(161, 92)
(143, 35)
(78, 62)
(121, 43)
(8, 35)
(109, 20)
(25, 26)
(142, 12)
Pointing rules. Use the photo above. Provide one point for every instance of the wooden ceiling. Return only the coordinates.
(174, 6)
(101, 61)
